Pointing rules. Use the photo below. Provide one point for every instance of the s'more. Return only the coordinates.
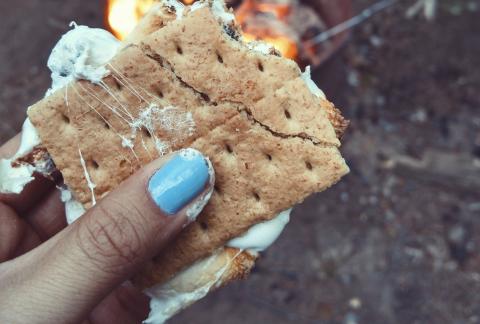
(183, 79)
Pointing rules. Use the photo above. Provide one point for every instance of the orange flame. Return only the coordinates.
(270, 30)
(123, 15)
(249, 7)
(283, 44)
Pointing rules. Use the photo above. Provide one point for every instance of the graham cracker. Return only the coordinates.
(157, 17)
(270, 140)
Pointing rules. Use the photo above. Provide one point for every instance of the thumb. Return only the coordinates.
(133, 223)
(114, 238)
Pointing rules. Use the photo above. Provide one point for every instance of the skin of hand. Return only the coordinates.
(51, 273)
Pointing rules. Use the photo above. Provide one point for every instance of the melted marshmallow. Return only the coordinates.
(307, 77)
(29, 140)
(90, 183)
(177, 5)
(260, 236)
(218, 9)
(73, 208)
(81, 54)
(14, 178)
(260, 47)
(197, 5)
(185, 288)
(174, 122)
(196, 208)
(221, 12)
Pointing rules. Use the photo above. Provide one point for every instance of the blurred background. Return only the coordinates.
(396, 241)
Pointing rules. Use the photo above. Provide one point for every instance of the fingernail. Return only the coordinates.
(179, 181)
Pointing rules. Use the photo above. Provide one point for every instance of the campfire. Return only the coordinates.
(123, 15)
(267, 21)
(287, 25)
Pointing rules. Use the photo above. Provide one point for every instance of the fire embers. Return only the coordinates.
(285, 24)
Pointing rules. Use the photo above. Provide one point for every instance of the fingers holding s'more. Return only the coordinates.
(47, 217)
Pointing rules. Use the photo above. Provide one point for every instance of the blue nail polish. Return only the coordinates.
(179, 181)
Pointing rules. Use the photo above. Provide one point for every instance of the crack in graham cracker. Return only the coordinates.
(163, 62)
(177, 46)
(262, 165)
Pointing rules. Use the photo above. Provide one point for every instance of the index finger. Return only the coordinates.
(8, 149)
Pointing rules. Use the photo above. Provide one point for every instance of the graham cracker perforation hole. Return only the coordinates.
(122, 163)
(94, 164)
(217, 189)
(65, 119)
(219, 58)
(159, 93)
(260, 66)
(287, 114)
(256, 196)
(106, 125)
(228, 148)
(146, 132)
(268, 156)
(117, 84)
(204, 226)
(179, 50)
(309, 165)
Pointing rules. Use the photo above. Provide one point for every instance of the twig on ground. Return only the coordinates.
(352, 22)
(429, 9)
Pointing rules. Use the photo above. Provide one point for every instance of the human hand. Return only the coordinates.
(50, 273)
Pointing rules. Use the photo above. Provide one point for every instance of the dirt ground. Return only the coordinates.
(397, 241)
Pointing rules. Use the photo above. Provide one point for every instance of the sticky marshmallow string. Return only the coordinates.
(175, 123)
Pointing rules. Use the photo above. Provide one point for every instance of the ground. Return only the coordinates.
(397, 241)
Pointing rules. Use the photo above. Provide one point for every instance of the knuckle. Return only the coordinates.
(111, 238)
